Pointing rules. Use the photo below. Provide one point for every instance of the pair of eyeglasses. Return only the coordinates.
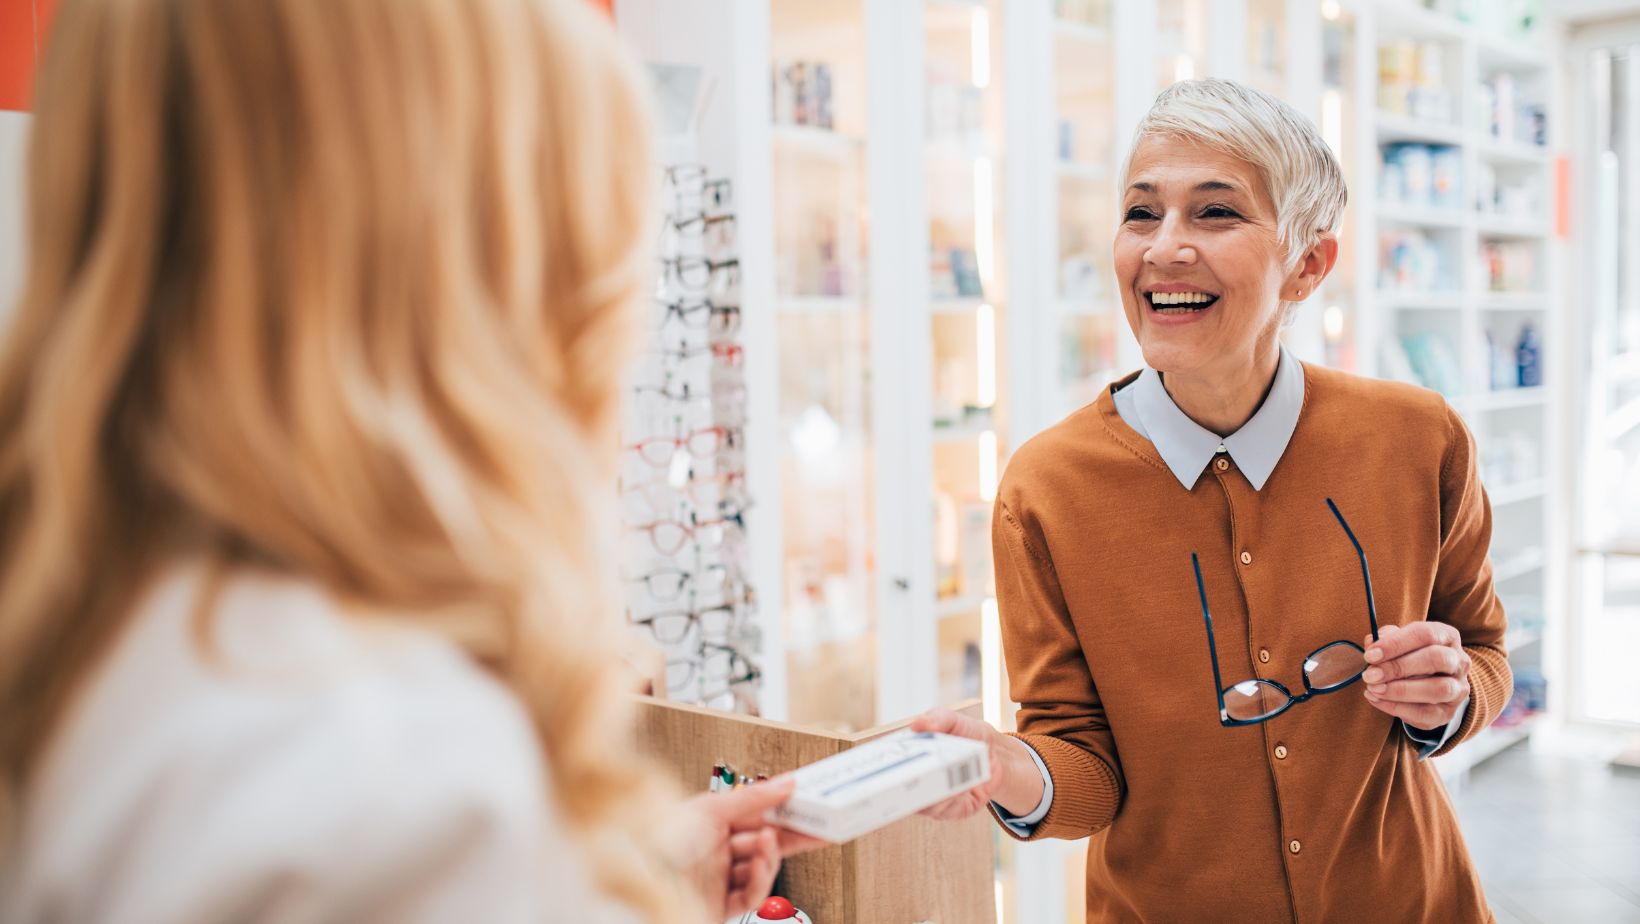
(704, 443)
(730, 354)
(665, 585)
(718, 665)
(1328, 669)
(722, 491)
(672, 626)
(703, 314)
(689, 180)
(696, 274)
(668, 537)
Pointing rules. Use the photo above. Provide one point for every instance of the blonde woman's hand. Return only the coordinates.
(1015, 783)
(737, 853)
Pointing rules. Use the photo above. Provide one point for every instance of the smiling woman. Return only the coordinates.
(1214, 481)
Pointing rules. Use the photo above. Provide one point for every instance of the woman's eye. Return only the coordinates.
(1218, 211)
(1139, 214)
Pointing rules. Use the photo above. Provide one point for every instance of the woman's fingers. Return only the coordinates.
(1432, 690)
(751, 880)
(1423, 662)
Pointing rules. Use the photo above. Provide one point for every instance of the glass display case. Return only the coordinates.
(967, 318)
(819, 97)
(1088, 313)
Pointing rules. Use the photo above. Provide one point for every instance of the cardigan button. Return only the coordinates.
(1281, 754)
(1294, 846)
(1264, 656)
(1222, 465)
(1247, 558)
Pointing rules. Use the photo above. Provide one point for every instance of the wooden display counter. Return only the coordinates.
(911, 871)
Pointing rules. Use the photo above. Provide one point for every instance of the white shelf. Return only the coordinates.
(1519, 639)
(1080, 31)
(1517, 493)
(951, 149)
(959, 606)
(962, 433)
(818, 304)
(1405, 18)
(818, 142)
(1421, 216)
(1394, 127)
(1509, 153)
(1513, 301)
(1083, 172)
(1482, 747)
(1498, 53)
(956, 304)
(1518, 566)
(1510, 226)
(1085, 308)
(1504, 399)
(1421, 301)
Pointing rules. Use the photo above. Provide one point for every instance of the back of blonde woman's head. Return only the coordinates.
(341, 289)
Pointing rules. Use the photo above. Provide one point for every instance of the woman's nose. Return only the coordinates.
(1169, 245)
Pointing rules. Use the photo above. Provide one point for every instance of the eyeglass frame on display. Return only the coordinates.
(691, 532)
(1212, 647)
(728, 439)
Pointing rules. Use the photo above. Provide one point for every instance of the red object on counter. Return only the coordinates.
(23, 25)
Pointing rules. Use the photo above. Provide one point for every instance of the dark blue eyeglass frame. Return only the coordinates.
(1289, 700)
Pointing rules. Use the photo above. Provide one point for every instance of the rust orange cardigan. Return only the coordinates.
(1107, 657)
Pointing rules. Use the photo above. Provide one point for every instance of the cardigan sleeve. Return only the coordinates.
(1463, 595)
(1060, 715)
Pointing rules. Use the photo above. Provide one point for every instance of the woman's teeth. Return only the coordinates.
(1181, 302)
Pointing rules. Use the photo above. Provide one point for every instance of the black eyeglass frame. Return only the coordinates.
(1310, 691)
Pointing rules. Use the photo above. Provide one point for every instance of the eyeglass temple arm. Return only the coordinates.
(1212, 647)
(1366, 576)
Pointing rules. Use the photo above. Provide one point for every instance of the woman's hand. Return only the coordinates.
(734, 854)
(1015, 783)
(1419, 674)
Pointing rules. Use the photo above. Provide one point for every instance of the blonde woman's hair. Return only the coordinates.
(1302, 174)
(341, 289)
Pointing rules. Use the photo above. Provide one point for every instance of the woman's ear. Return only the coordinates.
(1316, 263)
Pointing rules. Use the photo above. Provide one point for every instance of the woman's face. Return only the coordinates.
(1197, 260)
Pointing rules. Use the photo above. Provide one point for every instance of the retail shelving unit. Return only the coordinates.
(1453, 212)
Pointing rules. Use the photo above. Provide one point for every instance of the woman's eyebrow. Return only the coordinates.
(1206, 186)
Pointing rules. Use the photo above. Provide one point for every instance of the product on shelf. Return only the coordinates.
(1412, 80)
(1434, 362)
(1411, 261)
(1528, 362)
(1513, 460)
(801, 93)
(1515, 196)
(1509, 266)
(1091, 12)
(1508, 114)
(1421, 174)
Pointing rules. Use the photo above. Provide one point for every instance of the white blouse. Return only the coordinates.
(316, 768)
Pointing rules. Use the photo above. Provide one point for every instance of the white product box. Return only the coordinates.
(880, 782)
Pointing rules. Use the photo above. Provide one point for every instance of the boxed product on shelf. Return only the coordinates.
(1411, 261)
(1509, 266)
(1434, 362)
(1421, 174)
(1412, 80)
(1516, 196)
(1508, 114)
(801, 92)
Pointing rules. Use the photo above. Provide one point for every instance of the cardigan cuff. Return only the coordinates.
(1489, 689)
(1086, 793)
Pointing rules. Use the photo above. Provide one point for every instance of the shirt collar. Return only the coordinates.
(1187, 447)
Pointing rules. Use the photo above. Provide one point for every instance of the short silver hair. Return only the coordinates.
(1299, 169)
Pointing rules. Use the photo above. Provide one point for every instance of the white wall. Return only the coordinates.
(13, 132)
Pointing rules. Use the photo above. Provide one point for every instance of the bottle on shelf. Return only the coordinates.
(1527, 358)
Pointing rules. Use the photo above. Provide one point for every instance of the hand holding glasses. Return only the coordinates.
(1328, 669)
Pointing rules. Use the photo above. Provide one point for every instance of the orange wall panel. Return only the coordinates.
(22, 36)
